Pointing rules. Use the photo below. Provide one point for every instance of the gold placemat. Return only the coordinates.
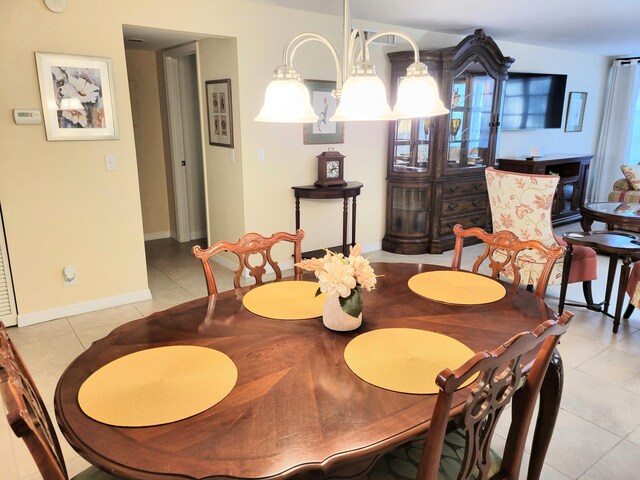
(285, 300)
(157, 386)
(404, 359)
(458, 288)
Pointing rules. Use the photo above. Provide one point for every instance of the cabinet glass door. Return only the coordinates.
(470, 117)
(411, 145)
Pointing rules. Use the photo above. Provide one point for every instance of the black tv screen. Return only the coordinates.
(533, 100)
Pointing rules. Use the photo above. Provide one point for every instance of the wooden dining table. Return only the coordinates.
(296, 410)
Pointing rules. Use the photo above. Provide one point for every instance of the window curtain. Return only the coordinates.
(614, 145)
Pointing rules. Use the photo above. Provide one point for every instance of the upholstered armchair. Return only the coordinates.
(521, 203)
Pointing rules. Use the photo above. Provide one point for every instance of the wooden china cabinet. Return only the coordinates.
(435, 171)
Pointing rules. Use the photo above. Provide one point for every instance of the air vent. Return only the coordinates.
(387, 40)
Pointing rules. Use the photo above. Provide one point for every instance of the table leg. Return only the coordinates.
(613, 264)
(586, 223)
(353, 221)
(566, 267)
(345, 218)
(550, 396)
(622, 287)
(297, 213)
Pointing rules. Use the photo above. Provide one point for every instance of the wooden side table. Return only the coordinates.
(350, 190)
(617, 245)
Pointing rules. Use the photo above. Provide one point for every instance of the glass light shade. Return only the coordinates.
(418, 97)
(286, 101)
(363, 98)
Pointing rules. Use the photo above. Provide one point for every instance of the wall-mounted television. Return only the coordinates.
(533, 100)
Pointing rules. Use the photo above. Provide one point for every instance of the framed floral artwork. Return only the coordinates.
(324, 105)
(78, 98)
(219, 112)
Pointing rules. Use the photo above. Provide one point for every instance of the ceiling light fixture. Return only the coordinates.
(360, 93)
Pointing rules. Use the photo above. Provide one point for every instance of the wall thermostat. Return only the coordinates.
(27, 117)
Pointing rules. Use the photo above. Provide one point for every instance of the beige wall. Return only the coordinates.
(142, 70)
(61, 206)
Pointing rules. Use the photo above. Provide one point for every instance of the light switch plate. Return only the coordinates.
(110, 162)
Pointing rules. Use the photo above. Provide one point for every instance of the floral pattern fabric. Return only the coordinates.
(632, 174)
(522, 204)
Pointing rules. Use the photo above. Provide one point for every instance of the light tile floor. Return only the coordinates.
(598, 431)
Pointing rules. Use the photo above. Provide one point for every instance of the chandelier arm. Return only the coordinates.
(413, 44)
(299, 40)
(351, 51)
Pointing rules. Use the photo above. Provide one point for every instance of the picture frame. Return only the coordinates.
(324, 105)
(78, 97)
(219, 112)
(575, 111)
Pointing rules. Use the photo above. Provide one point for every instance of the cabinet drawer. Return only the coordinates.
(461, 189)
(467, 221)
(459, 206)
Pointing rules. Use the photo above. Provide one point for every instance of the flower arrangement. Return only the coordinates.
(343, 277)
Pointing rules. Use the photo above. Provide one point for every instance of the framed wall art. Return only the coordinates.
(575, 111)
(324, 105)
(219, 112)
(78, 98)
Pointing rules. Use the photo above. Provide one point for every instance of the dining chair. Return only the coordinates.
(250, 244)
(465, 452)
(28, 416)
(522, 203)
(507, 254)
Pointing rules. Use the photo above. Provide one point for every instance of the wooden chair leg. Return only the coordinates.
(628, 311)
(588, 295)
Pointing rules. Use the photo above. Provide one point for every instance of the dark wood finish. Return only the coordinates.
(610, 213)
(429, 188)
(500, 373)
(502, 250)
(28, 417)
(618, 245)
(250, 244)
(296, 409)
(350, 190)
(572, 187)
(330, 169)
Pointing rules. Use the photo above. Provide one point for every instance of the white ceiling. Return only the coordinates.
(601, 27)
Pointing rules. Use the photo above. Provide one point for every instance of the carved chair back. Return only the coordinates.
(499, 377)
(522, 203)
(507, 254)
(26, 412)
(248, 245)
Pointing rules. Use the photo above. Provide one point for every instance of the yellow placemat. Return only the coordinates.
(455, 287)
(156, 386)
(285, 300)
(404, 359)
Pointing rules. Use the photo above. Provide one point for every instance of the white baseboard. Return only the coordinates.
(27, 319)
(156, 235)
(371, 247)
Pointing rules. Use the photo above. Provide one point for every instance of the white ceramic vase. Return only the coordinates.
(334, 318)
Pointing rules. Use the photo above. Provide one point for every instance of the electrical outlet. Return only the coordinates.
(261, 154)
(110, 162)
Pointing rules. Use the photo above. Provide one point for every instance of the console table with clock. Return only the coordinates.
(346, 191)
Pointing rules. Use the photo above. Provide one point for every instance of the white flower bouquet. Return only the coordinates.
(343, 277)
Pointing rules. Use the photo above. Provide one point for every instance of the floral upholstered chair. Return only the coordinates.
(521, 203)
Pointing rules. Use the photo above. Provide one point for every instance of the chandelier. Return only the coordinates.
(360, 93)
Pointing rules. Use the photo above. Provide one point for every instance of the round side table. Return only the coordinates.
(617, 245)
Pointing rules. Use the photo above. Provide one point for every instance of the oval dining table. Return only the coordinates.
(297, 410)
